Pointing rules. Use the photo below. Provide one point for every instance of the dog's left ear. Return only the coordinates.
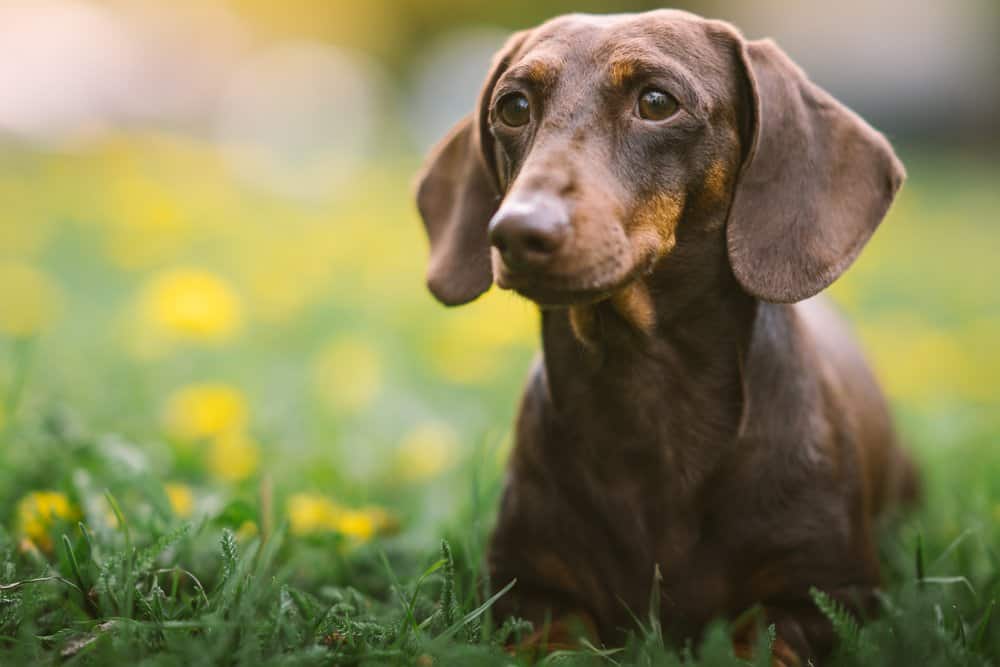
(815, 183)
(456, 199)
(458, 191)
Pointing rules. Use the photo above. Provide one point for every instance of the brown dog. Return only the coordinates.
(663, 189)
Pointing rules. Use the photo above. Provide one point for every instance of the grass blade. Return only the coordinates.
(979, 643)
(920, 560)
(120, 516)
(74, 566)
(477, 612)
(950, 581)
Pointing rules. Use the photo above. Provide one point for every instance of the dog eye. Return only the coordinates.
(656, 105)
(514, 110)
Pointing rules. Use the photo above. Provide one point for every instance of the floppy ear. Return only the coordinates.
(816, 182)
(457, 194)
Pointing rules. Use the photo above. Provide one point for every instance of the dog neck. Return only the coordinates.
(668, 385)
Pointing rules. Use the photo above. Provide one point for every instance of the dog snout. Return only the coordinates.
(529, 233)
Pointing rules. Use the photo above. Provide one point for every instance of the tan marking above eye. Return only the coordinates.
(541, 72)
(621, 71)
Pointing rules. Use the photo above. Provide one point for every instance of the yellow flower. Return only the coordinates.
(216, 413)
(201, 411)
(356, 524)
(36, 513)
(30, 299)
(364, 523)
(191, 304)
(348, 374)
(233, 456)
(426, 451)
(310, 513)
(181, 499)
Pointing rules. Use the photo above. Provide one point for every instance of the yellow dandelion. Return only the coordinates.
(362, 524)
(381, 520)
(30, 299)
(233, 456)
(36, 513)
(205, 410)
(181, 499)
(356, 524)
(426, 451)
(311, 513)
(348, 374)
(190, 304)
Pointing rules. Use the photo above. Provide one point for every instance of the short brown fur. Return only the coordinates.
(693, 410)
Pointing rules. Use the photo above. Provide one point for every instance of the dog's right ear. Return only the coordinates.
(815, 184)
(458, 191)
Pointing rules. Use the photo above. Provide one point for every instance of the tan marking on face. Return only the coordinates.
(634, 303)
(541, 72)
(621, 71)
(496, 263)
(716, 181)
(654, 224)
(583, 322)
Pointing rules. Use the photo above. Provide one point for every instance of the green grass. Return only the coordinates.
(158, 591)
(125, 579)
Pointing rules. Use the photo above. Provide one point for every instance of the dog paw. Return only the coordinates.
(563, 634)
(782, 655)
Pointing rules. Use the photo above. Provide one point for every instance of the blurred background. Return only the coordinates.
(211, 269)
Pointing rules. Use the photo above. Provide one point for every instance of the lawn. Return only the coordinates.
(235, 429)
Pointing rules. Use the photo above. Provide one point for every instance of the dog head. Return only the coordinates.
(601, 145)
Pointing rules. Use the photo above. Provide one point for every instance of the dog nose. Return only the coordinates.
(528, 233)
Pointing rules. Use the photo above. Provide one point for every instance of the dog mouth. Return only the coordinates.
(552, 290)
(548, 296)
